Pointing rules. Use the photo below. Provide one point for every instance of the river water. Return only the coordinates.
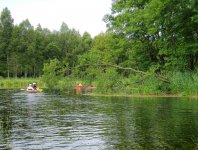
(59, 121)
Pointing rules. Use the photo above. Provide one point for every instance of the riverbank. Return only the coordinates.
(128, 91)
(141, 95)
(19, 83)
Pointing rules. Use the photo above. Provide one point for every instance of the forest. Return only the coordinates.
(150, 46)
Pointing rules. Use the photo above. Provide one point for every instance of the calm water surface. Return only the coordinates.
(54, 121)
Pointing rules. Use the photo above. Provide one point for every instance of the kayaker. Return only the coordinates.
(34, 86)
(30, 87)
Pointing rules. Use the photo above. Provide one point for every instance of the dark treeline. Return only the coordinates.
(155, 38)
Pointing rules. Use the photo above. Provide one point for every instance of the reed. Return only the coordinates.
(181, 83)
(185, 83)
(15, 83)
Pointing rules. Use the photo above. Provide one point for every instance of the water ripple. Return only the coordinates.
(49, 121)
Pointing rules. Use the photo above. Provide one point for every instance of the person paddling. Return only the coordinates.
(30, 87)
(34, 86)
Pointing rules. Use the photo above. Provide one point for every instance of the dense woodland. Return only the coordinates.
(153, 41)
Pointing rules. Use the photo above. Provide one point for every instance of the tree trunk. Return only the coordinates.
(8, 66)
(25, 74)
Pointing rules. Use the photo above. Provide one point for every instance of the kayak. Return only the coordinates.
(34, 91)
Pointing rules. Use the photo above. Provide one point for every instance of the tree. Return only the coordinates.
(6, 27)
(14, 63)
(128, 23)
(87, 42)
(52, 51)
(179, 37)
(27, 48)
(52, 73)
(154, 34)
(70, 42)
(101, 53)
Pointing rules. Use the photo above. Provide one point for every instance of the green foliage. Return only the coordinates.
(107, 81)
(156, 32)
(19, 83)
(149, 36)
(185, 83)
(24, 50)
(90, 63)
(52, 73)
(6, 27)
(52, 51)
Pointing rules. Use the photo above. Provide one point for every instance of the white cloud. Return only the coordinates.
(83, 15)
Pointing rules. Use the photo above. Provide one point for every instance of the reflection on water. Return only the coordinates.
(54, 121)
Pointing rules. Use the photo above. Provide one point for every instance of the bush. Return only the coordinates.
(52, 73)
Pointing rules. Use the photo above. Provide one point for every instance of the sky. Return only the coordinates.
(82, 15)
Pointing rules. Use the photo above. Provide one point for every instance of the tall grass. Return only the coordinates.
(184, 83)
(181, 83)
(15, 83)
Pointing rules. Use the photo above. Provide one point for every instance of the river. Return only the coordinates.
(58, 121)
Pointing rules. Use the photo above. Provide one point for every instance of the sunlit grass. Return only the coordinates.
(15, 83)
(183, 84)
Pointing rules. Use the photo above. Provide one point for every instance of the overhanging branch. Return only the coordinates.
(160, 77)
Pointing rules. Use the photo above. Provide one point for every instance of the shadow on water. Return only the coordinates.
(154, 123)
(56, 120)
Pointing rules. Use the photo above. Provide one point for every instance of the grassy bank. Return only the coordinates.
(18, 83)
(181, 84)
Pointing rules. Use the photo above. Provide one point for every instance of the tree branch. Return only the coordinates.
(160, 77)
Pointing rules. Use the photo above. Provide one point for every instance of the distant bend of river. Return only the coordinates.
(55, 121)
